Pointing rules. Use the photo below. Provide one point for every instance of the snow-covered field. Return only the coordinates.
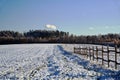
(70, 48)
(49, 62)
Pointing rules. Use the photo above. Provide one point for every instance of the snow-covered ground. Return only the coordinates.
(49, 62)
(70, 48)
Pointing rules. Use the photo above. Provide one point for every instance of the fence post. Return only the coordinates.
(102, 55)
(108, 55)
(74, 49)
(97, 53)
(80, 50)
(93, 52)
(87, 52)
(83, 50)
(115, 57)
(90, 53)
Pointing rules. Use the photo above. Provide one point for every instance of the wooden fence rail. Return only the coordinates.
(96, 53)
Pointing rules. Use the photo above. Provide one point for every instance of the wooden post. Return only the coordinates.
(108, 55)
(87, 52)
(80, 50)
(93, 53)
(97, 53)
(74, 49)
(90, 53)
(115, 57)
(84, 50)
(102, 55)
(119, 51)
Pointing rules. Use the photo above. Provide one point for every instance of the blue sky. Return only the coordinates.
(81, 17)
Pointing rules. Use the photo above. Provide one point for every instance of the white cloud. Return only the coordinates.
(91, 28)
(49, 26)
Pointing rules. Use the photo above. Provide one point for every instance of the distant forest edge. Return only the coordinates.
(48, 36)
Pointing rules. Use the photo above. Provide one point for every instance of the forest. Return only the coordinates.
(49, 36)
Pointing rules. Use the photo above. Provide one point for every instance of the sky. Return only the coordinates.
(80, 17)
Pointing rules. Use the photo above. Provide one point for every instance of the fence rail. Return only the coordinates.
(95, 53)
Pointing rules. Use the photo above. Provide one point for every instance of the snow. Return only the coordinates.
(49, 62)
(70, 47)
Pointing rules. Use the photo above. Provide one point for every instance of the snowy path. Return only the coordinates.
(47, 62)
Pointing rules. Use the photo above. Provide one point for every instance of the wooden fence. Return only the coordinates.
(105, 54)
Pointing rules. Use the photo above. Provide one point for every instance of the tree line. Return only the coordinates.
(48, 36)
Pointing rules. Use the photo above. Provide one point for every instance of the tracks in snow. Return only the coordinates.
(46, 62)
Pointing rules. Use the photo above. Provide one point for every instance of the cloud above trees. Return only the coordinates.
(49, 26)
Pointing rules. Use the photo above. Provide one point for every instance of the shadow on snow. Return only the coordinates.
(105, 73)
